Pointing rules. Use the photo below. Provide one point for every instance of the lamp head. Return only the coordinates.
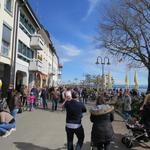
(97, 62)
(108, 62)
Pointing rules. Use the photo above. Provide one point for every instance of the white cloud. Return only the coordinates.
(64, 60)
(66, 51)
(70, 50)
(92, 6)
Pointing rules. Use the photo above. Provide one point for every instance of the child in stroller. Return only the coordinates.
(137, 132)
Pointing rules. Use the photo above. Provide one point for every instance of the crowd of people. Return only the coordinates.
(73, 100)
(29, 100)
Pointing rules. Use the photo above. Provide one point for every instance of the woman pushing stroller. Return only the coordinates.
(145, 112)
(102, 131)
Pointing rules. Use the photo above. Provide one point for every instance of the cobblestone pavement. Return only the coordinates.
(45, 130)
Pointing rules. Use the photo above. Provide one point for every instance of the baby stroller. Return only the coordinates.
(137, 133)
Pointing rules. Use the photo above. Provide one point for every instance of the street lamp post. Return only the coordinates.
(103, 61)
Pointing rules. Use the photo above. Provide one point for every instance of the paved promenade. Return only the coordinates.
(45, 130)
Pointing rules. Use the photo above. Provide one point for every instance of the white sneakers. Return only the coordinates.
(13, 129)
(6, 134)
(9, 132)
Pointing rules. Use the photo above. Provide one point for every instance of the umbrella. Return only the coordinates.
(126, 81)
(109, 81)
(135, 81)
(1, 83)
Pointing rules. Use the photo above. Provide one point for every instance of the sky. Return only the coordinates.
(73, 26)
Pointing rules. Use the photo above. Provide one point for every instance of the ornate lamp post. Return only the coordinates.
(103, 61)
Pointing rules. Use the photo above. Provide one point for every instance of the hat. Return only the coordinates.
(101, 109)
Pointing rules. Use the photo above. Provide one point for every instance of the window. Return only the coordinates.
(24, 52)
(20, 47)
(26, 25)
(8, 5)
(6, 37)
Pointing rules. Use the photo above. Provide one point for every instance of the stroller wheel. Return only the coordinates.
(146, 140)
(129, 143)
(123, 140)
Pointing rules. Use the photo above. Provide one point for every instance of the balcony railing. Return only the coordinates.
(35, 65)
(37, 42)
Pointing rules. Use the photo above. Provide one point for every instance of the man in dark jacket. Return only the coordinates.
(44, 98)
(74, 110)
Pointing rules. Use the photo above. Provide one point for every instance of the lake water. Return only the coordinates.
(142, 88)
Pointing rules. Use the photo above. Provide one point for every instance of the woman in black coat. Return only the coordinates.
(102, 131)
(145, 114)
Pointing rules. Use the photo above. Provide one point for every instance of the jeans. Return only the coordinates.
(54, 104)
(79, 132)
(84, 100)
(127, 115)
(44, 101)
(4, 127)
(14, 113)
(31, 106)
(103, 146)
(24, 102)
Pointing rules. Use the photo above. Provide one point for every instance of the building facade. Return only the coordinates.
(6, 43)
(27, 55)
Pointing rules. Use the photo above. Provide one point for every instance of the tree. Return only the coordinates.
(125, 32)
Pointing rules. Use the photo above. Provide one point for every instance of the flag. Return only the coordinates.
(109, 81)
(126, 81)
(1, 83)
(135, 80)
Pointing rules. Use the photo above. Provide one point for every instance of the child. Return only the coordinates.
(31, 101)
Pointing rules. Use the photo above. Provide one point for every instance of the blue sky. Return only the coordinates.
(73, 26)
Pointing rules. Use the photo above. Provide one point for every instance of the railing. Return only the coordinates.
(35, 65)
(37, 42)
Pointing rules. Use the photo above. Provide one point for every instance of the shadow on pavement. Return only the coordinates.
(86, 146)
(59, 109)
(30, 146)
(115, 144)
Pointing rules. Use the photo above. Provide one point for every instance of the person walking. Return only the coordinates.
(102, 131)
(31, 100)
(44, 96)
(74, 110)
(25, 95)
(84, 95)
(36, 94)
(55, 94)
(15, 105)
(127, 105)
(145, 111)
